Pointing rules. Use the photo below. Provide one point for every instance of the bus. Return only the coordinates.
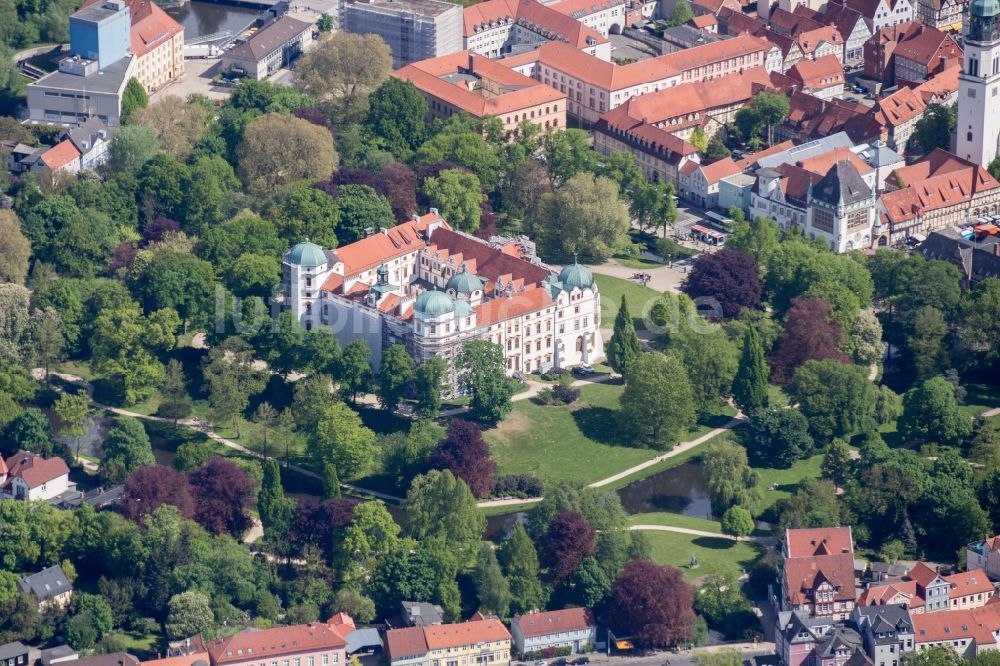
(720, 222)
(706, 235)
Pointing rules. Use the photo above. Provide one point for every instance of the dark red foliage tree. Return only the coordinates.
(488, 221)
(147, 488)
(653, 604)
(398, 184)
(225, 494)
(158, 228)
(809, 334)
(467, 455)
(321, 524)
(569, 539)
(313, 115)
(729, 277)
(122, 256)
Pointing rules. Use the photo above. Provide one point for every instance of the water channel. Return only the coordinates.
(204, 19)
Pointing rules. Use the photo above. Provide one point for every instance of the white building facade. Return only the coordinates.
(978, 123)
(430, 288)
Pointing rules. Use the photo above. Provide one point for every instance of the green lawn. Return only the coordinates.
(715, 555)
(675, 520)
(639, 298)
(142, 645)
(776, 396)
(785, 480)
(579, 442)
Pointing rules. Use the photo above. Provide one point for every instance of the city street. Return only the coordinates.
(681, 658)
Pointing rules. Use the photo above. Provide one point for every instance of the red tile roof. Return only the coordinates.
(900, 107)
(183, 660)
(517, 91)
(818, 74)
(502, 307)
(811, 40)
(60, 155)
(879, 595)
(977, 624)
(268, 643)
(940, 180)
(805, 574)
(406, 642)
(465, 633)
(609, 76)
(534, 16)
(823, 162)
(552, 622)
(818, 541)
(489, 263)
(689, 98)
(414, 641)
(369, 252)
(34, 469)
(704, 21)
(153, 30)
(969, 582)
(580, 8)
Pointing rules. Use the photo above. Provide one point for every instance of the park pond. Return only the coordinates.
(679, 489)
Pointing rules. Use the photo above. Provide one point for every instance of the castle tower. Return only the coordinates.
(978, 127)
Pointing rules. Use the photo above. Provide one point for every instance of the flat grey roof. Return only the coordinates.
(107, 80)
(807, 150)
(95, 13)
(422, 7)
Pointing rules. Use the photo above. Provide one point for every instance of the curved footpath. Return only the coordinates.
(205, 429)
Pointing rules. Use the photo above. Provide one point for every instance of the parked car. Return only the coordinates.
(561, 661)
(541, 662)
(579, 661)
(583, 370)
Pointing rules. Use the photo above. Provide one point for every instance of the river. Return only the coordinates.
(201, 19)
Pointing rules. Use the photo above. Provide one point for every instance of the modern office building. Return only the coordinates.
(413, 29)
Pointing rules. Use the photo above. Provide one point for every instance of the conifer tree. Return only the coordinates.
(623, 347)
(331, 482)
(750, 384)
(276, 511)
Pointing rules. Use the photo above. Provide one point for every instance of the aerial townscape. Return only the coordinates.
(499, 332)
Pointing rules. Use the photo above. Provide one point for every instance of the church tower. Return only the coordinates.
(978, 126)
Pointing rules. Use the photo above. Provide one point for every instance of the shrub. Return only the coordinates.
(565, 394)
(518, 485)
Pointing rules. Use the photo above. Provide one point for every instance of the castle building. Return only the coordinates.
(978, 125)
(431, 288)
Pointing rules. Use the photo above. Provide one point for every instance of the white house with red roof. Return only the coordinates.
(29, 476)
(570, 627)
(431, 288)
(479, 641)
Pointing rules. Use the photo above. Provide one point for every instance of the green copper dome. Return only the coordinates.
(464, 282)
(575, 275)
(984, 8)
(434, 304)
(307, 255)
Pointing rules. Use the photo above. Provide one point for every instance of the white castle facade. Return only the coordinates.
(430, 288)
